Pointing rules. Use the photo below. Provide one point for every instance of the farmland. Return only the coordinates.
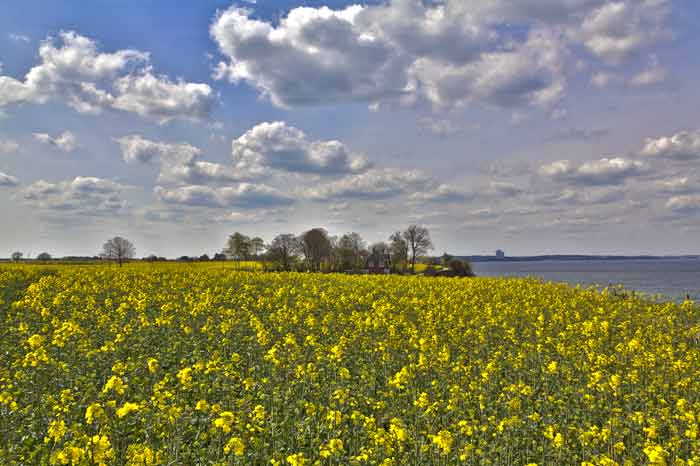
(192, 364)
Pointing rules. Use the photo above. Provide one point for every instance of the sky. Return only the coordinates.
(536, 127)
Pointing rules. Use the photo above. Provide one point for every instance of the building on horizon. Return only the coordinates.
(500, 254)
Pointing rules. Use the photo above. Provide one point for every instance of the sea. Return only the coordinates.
(659, 278)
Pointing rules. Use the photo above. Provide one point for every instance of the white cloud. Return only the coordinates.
(405, 49)
(441, 127)
(450, 52)
(443, 194)
(80, 196)
(8, 181)
(594, 172)
(312, 56)
(684, 204)
(19, 38)
(617, 29)
(654, 74)
(375, 184)
(77, 73)
(244, 196)
(66, 142)
(679, 185)
(587, 196)
(528, 74)
(279, 146)
(179, 163)
(684, 145)
(7, 146)
(159, 98)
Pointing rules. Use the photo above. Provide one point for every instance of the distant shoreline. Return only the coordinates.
(572, 257)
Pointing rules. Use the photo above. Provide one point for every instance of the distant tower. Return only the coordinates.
(500, 254)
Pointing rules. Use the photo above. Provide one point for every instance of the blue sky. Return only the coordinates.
(538, 127)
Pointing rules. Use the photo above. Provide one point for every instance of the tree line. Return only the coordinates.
(314, 250)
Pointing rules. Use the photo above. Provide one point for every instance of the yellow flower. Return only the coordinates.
(92, 412)
(128, 408)
(443, 440)
(225, 421)
(56, 431)
(332, 448)
(69, 455)
(202, 405)
(185, 376)
(35, 341)
(656, 455)
(297, 459)
(235, 445)
(115, 383)
(152, 365)
(101, 449)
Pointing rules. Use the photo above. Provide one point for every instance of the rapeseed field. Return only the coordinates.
(188, 365)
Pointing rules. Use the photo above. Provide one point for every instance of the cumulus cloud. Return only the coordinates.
(617, 29)
(375, 184)
(7, 146)
(160, 98)
(244, 196)
(7, 181)
(684, 145)
(588, 196)
(441, 127)
(312, 56)
(443, 194)
(66, 142)
(179, 163)
(528, 74)
(279, 146)
(76, 72)
(449, 52)
(689, 204)
(19, 38)
(80, 196)
(594, 172)
(679, 185)
(403, 49)
(654, 74)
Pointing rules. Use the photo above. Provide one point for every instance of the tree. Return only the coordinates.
(316, 247)
(118, 249)
(257, 246)
(461, 268)
(352, 249)
(204, 257)
(418, 241)
(238, 247)
(446, 259)
(44, 256)
(284, 249)
(17, 256)
(399, 250)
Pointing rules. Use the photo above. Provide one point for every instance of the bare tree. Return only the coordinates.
(316, 247)
(351, 249)
(284, 249)
(418, 241)
(257, 246)
(118, 249)
(399, 250)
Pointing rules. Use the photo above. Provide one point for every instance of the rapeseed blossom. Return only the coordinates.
(164, 364)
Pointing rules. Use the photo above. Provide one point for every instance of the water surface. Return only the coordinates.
(671, 278)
